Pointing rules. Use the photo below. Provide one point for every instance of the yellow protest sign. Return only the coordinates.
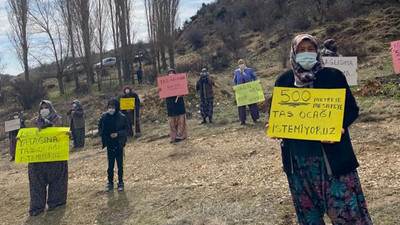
(127, 103)
(249, 93)
(47, 145)
(307, 113)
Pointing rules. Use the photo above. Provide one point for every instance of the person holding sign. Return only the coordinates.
(322, 175)
(12, 135)
(205, 86)
(47, 180)
(113, 129)
(134, 113)
(176, 116)
(241, 76)
(77, 124)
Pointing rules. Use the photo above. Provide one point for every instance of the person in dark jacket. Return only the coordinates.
(47, 180)
(77, 124)
(241, 76)
(13, 134)
(113, 129)
(131, 114)
(139, 74)
(176, 116)
(205, 86)
(322, 175)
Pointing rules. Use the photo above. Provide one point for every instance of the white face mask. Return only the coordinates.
(127, 91)
(111, 111)
(44, 112)
(16, 117)
(74, 105)
(242, 66)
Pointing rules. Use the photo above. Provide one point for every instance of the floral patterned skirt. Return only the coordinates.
(315, 193)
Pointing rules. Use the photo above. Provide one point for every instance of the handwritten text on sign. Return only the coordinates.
(348, 66)
(308, 114)
(48, 145)
(396, 55)
(127, 103)
(12, 125)
(248, 93)
(173, 85)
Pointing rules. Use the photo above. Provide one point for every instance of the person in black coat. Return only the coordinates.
(113, 129)
(322, 175)
(130, 114)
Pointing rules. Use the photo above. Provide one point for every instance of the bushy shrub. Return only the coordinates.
(195, 38)
(28, 93)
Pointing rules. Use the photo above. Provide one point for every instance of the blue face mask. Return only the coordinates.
(306, 59)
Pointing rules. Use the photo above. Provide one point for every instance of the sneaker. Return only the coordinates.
(121, 186)
(178, 139)
(109, 187)
(204, 122)
(12, 159)
(243, 123)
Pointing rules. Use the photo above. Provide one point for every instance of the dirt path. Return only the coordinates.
(223, 174)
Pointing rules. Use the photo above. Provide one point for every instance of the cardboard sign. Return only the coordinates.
(12, 125)
(48, 145)
(395, 46)
(127, 103)
(348, 66)
(249, 93)
(307, 113)
(173, 85)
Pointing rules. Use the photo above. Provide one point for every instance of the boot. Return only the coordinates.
(210, 119)
(204, 121)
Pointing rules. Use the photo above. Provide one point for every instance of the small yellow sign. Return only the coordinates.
(127, 103)
(249, 93)
(47, 145)
(307, 113)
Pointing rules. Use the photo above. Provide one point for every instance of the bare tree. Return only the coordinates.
(19, 36)
(45, 17)
(84, 14)
(121, 11)
(171, 14)
(151, 31)
(114, 26)
(2, 65)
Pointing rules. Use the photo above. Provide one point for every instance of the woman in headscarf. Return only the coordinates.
(330, 48)
(205, 86)
(13, 134)
(241, 76)
(130, 114)
(176, 116)
(77, 124)
(51, 175)
(322, 175)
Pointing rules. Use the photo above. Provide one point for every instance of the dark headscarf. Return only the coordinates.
(330, 48)
(78, 105)
(49, 120)
(304, 77)
(130, 91)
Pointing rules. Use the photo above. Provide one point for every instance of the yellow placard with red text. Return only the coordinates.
(127, 103)
(47, 145)
(307, 113)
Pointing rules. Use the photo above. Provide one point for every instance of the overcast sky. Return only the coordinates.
(187, 9)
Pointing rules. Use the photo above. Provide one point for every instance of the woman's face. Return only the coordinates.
(44, 106)
(306, 46)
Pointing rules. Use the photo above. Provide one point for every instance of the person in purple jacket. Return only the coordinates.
(241, 76)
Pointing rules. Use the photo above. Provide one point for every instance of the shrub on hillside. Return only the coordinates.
(195, 38)
(28, 93)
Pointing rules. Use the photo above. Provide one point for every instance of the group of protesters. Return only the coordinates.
(322, 175)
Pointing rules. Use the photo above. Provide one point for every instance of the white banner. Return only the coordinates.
(12, 125)
(348, 66)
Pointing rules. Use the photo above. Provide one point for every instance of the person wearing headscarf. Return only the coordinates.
(330, 48)
(130, 114)
(77, 124)
(113, 129)
(205, 85)
(176, 116)
(322, 175)
(243, 75)
(47, 180)
(13, 134)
